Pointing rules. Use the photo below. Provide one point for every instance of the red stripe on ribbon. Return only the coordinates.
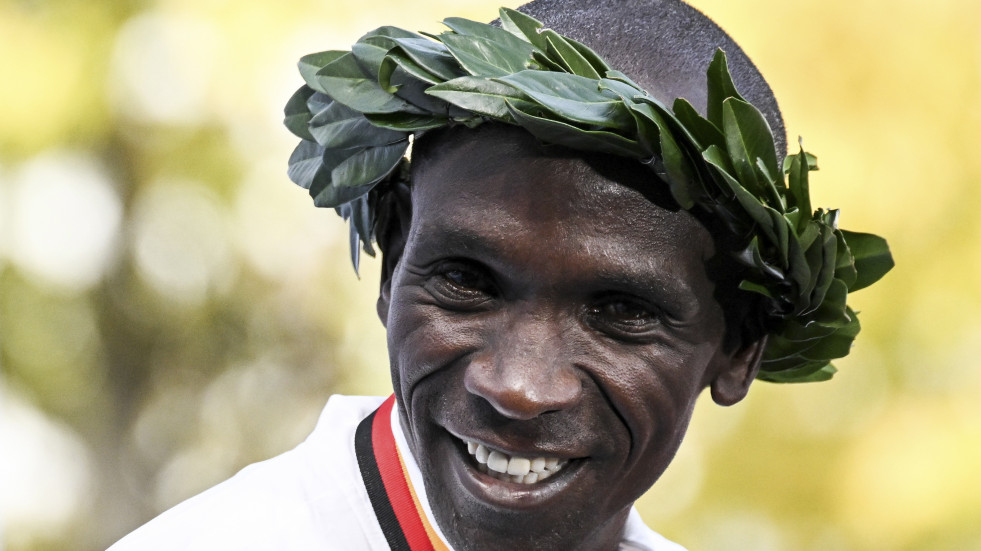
(395, 479)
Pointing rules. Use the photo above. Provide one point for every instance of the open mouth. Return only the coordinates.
(508, 468)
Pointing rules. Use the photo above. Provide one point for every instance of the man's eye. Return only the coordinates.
(624, 317)
(463, 279)
(460, 286)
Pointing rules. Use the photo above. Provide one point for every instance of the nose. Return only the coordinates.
(523, 372)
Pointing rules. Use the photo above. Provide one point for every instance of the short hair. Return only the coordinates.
(665, 46)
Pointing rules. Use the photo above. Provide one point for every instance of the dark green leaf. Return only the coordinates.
(405, 122)
(564, 53)
(523, 26)
(572, 97)
(799, 186)
(310, 64)
(755, 288)
(343, 80)
(703, 132)
(560, 133)
(720, 87)
(305, 164)
(748, 138)
(297, 114)
(505, 39)
(845, 263)
(809, 372)
(433, 57)
(369, 58)
(481, 96)
(488, 58)
(591, 57)
(369, 166)
(872, 257)
(339, 127)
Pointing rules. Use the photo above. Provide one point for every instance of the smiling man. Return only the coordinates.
(568, 262)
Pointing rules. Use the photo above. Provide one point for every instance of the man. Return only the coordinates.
(567, 264)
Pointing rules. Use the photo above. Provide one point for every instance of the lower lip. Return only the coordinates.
(510, 495)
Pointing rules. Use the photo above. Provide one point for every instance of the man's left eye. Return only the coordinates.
(623, 317)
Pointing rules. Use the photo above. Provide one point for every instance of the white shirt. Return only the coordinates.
(309, 498)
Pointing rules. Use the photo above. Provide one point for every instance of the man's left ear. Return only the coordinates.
(391, 233)
(732, 380)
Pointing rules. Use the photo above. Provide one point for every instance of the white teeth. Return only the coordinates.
(481, 454)
(519, 466)
(520, 470)
(497, 462)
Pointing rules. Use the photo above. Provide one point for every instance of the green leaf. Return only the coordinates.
(748, 138)
(871, 256)
(369, 166)
(523, 26)
(572, 97)
(433, 57)
(678, 174)
(812, 162)
(344, 81)
(481, 96)
(809, 372)
(799, 186)
(339, 127)
(358, 173)
(502, 37)
(703, 132)
(297, 114)
(720, 87)
(488, 58)
(598, 63)
(755, 288)
(845, 262)
(310, 64)
(561, 51)
(827, 270)
(305, 165)
(369, 58)
(405, 122)
(561, 133)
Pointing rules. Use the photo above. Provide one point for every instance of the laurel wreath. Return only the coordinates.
(358, 109)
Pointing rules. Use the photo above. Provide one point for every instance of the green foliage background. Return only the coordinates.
(172, 308)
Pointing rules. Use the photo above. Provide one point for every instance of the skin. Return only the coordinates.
(542, 309)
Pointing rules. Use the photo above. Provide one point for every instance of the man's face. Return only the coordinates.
(542, 312)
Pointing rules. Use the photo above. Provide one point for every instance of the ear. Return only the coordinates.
(391, 233)
(739, 369)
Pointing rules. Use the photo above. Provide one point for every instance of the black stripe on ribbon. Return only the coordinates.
(364, 449)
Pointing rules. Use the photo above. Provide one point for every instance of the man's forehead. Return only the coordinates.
(500, 196)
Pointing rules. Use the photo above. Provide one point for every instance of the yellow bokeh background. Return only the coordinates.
(172, 308)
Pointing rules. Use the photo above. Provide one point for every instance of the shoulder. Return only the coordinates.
(308, 497)
(638, 537)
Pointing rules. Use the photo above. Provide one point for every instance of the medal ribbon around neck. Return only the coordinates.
(396, 504)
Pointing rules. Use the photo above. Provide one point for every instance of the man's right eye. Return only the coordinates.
(459, 285)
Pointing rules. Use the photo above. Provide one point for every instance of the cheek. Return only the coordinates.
(654, 394)
(425, 341)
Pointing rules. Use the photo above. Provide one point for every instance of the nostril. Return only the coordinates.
(523, 392)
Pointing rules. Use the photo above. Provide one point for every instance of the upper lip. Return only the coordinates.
(501, 444)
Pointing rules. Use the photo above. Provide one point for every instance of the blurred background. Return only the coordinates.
(172, 308)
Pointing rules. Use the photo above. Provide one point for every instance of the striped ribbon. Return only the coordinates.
(396, 504)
